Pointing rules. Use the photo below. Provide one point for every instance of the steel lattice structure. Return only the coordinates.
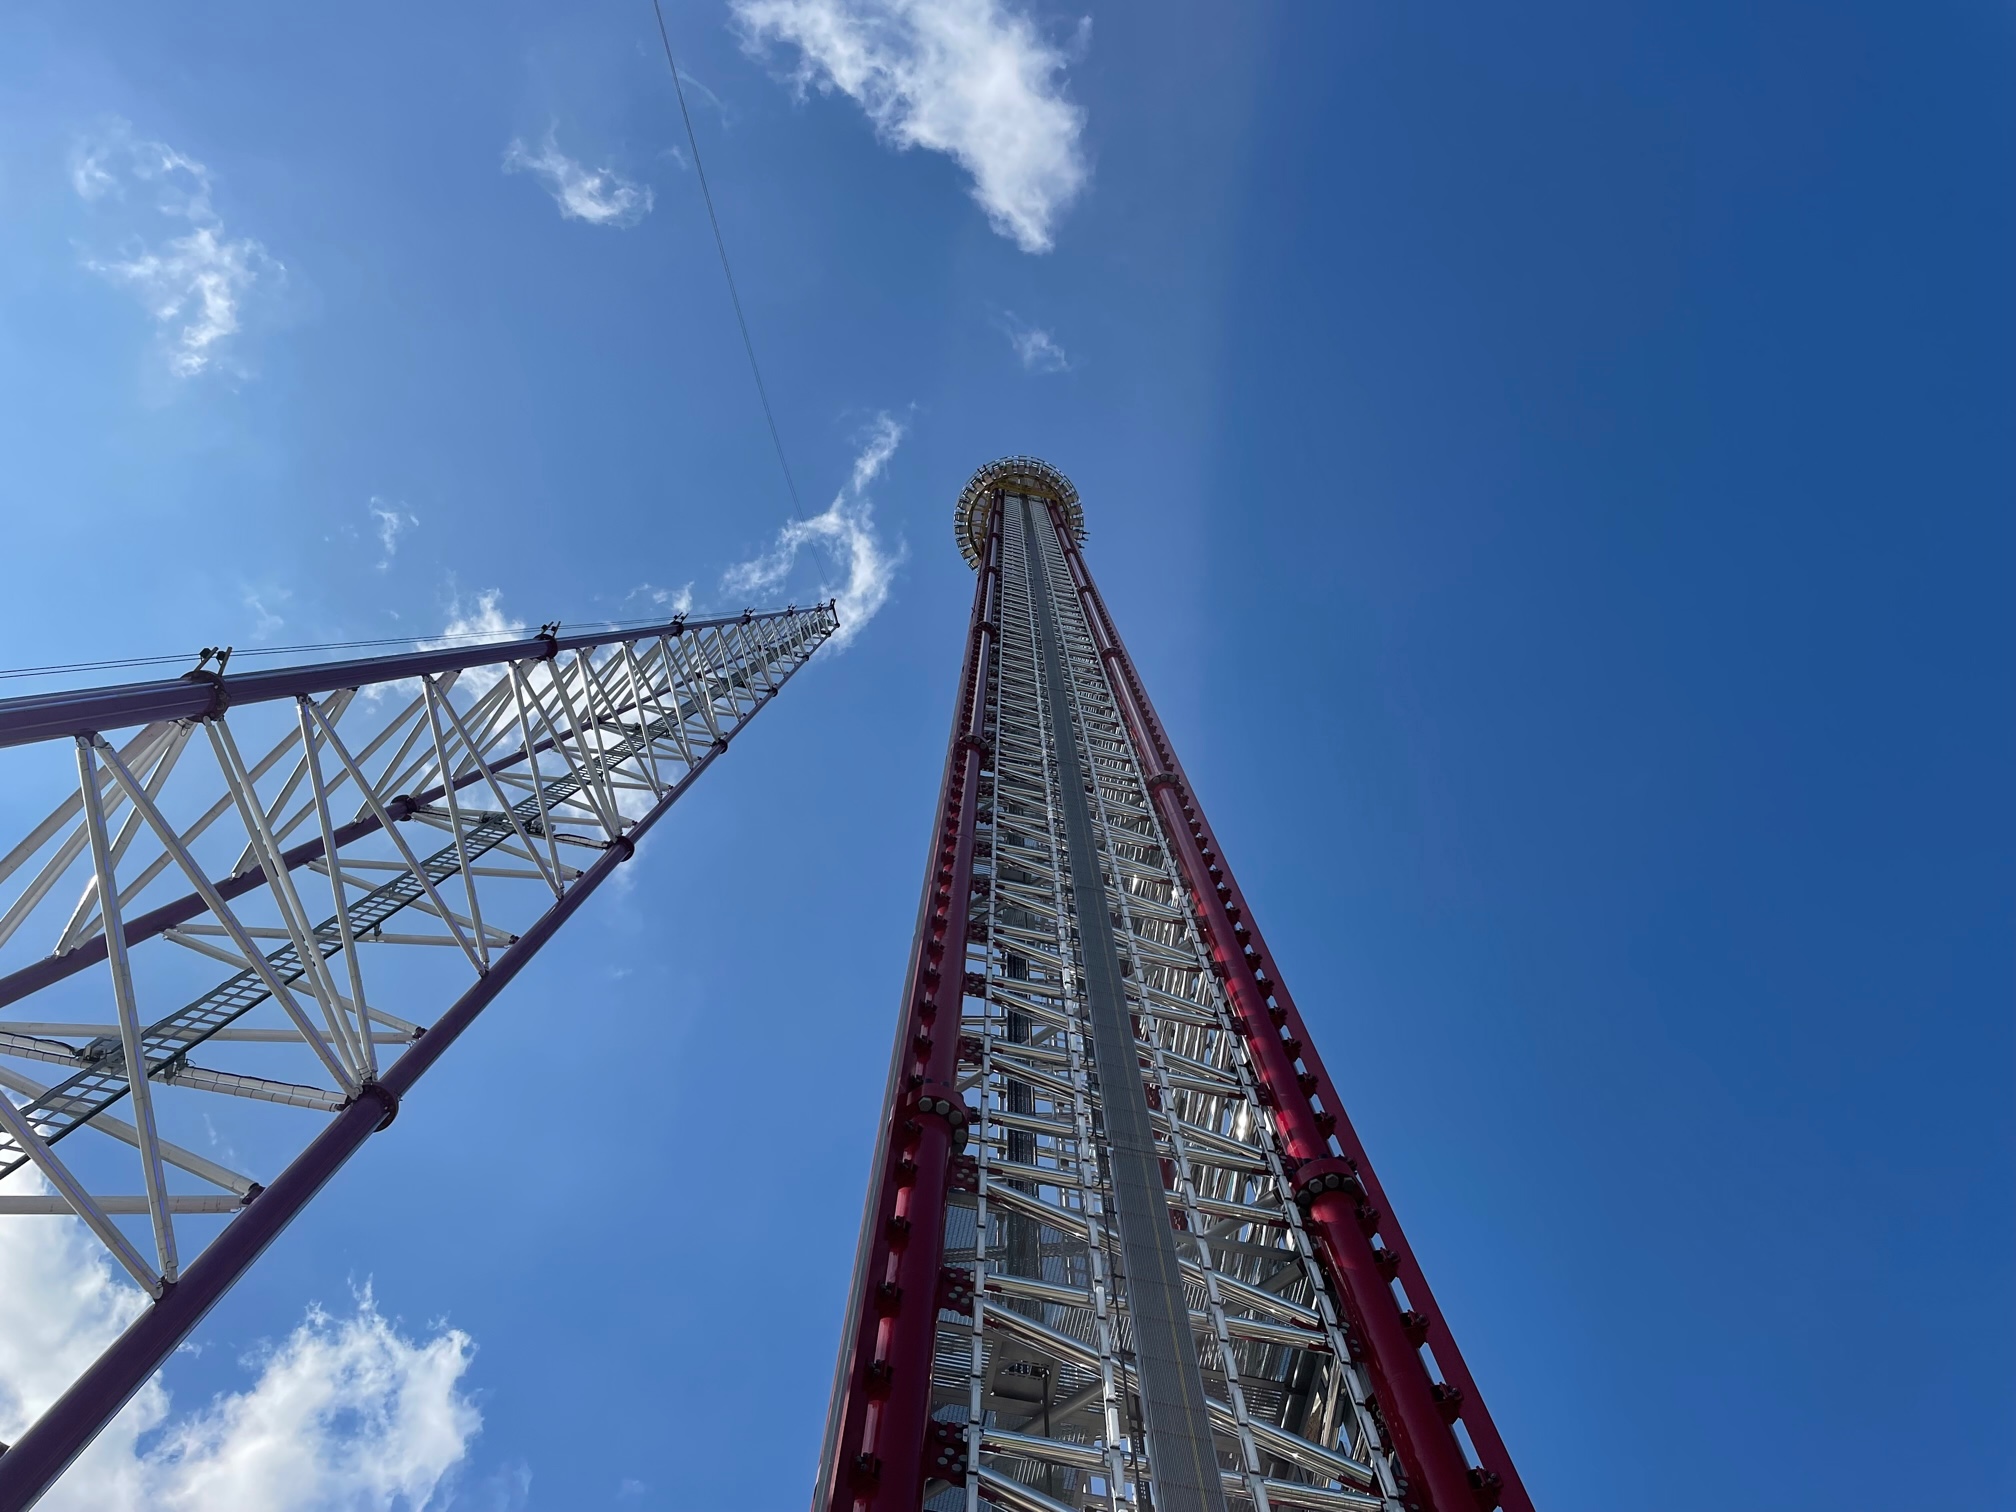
(291, 830)
(1122, 1248)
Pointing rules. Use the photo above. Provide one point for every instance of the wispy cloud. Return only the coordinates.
(265, 617)
(845, 536)
(699, 93)
(391, 522)
(346, 1412)
(194, 285)
(599, 196)
(60, 1305)
(973, 79)
(1036, 349)
(469, 624)
(486, 617)
(672, 601)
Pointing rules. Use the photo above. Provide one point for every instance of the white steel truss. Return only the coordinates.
(219, 897)
(1036, 1389)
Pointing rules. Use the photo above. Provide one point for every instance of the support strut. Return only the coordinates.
(875, 1431)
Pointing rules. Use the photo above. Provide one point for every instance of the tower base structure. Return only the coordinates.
(1122, 1248)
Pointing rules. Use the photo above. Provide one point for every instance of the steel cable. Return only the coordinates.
(721, 246)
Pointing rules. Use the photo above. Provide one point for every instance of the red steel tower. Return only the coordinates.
(1122, 1248)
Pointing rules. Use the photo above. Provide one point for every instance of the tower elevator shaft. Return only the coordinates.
(1121, 1248)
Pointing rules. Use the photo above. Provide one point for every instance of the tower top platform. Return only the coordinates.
(1027, 475)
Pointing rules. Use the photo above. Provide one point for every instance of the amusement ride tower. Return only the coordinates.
(1122, 1248)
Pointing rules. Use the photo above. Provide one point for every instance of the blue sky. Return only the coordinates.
(1553, 467)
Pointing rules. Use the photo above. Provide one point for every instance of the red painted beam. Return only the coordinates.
(882, 1396)
(1418, 1411)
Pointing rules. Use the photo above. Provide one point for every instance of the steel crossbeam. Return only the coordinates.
(516, 751)
(1082, 826)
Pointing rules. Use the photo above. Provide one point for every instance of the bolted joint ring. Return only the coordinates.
(220, 694)
(955, 1114)
(1315, 1178)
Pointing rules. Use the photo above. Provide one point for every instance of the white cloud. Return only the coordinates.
(196, 280)
(345, 1413)
(485, 619)
(973, 79)
(60, 1305)
(1035, 347)
(599, 196)
(264, 620)
(104, 165)
(508, 1488)
(845, 533)
(697, 91)
(88, 174)
(195, 285)
(392, 522)
(673, 601)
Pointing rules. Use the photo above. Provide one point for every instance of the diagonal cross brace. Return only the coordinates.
(165, 1045)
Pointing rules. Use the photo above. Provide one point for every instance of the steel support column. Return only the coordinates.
(873, 1453)
(1419, 1411)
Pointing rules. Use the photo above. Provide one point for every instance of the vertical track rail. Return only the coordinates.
(1419, 1410)
(1175, 1417)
